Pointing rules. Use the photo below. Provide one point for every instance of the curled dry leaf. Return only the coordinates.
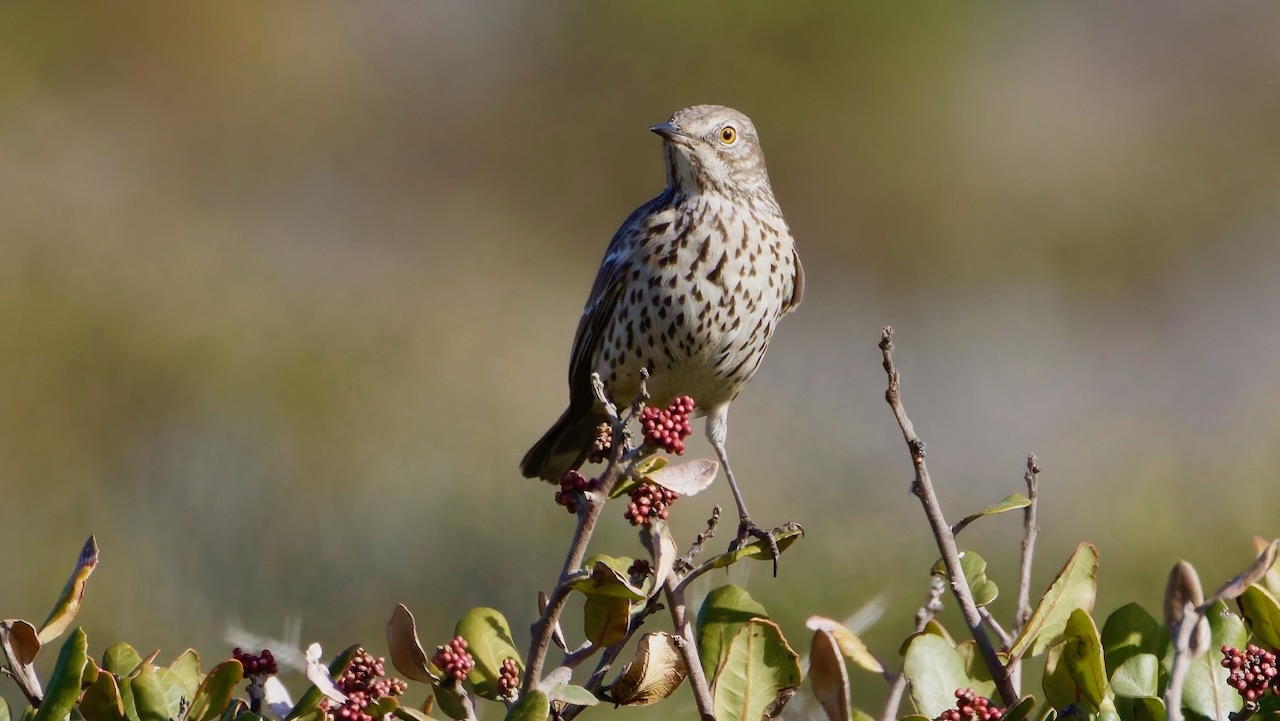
(1183, 591)
(1249, 576)
(68, 604)
(828, 677)
(687, 479)
(664, 553)
(406, 651)
(848, 643)
(653, 674)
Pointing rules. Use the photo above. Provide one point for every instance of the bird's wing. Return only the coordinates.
(602, 304)
(797, 291)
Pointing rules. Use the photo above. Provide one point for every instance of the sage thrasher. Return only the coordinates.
(690, 288)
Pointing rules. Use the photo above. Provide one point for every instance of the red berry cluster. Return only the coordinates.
(571, 484)
(509, 678)
(603, 443)
(363, 683)
(668, 427)
(260, 665)
(649, 501)
(970, 706)
(1251, 672)
(453, 659)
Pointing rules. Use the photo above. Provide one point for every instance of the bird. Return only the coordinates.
(690, 290)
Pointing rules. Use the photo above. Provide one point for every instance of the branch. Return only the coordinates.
(931, 608)
(1028, 545)
(922, 488)
(1183, 654)
(687, 644)
(620, 465)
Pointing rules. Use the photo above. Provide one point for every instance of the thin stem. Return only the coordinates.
(1022, 611)
(931, 608)
(1183, 654)
(922, 488)
(620, 465)
(1030, 529)
(687, 644)
(1006, 640)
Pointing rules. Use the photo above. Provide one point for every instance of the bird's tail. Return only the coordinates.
(564, 447)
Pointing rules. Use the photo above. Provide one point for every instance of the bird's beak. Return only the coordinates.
(671, 133)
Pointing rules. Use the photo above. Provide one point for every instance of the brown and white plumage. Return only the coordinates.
(691, 287)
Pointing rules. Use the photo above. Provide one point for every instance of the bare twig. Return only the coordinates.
(1032, 478)
(1006, 640)
(685, 563)
(620, 464)
(687, 644)
(931, 608)
(1183, 655)
(922, 487)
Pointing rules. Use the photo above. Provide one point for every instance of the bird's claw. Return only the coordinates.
(747, 530)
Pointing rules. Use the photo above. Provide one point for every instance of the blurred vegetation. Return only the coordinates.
(287, 290)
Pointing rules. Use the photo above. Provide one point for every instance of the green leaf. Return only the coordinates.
(378, 709)
(67, 606)
(489, 641)
(652, 674)
(64, 683)
(643, 468)
(605, 619)
(186, 668)
(724, 612)
(533, 706)
(173, 691)
(1206, 691)
(1059, 688)
(828, 677)
(313, 696)
(1141, 708)
(1076, 586)
(758, 549)
(1011, 502)
(452, 701)
(1020, 710)
(847, 642)
(607, 576)
(984, 590)
(935, 671)
(101, 701)
(1137, 676)
(121, 659)
(760, 673)
(1082, 654)
(571, 694)
(4, 710)
(409, 713)
(213, 695)
(975, 667)
(150, 701)
(1261, 613)
(1131, 631)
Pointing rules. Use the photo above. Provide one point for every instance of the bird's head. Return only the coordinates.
(713, 148)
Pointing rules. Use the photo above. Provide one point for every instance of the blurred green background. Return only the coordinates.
(287, 289)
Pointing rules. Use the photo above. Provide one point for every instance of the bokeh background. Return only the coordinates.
(287, 289)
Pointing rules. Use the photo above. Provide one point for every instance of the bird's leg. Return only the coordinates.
(717, 431)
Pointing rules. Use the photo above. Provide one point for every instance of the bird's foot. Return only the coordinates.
(748, 530)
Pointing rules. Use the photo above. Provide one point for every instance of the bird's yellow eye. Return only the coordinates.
(728, 135)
